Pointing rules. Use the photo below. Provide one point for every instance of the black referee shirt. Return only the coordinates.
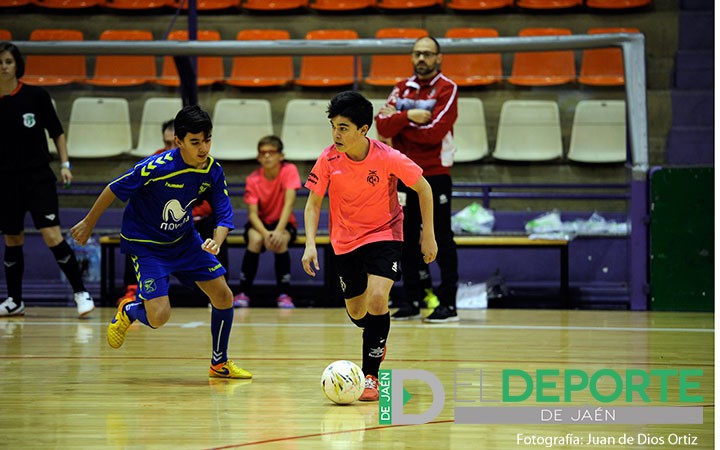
(24, 116)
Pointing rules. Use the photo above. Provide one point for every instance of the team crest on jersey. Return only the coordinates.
(149, 285)
(373, 177)
(29, 120)
(204, 187)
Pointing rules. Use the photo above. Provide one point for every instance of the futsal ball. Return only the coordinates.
(342, 382)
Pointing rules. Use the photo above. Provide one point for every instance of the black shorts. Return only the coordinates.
(289, 227)
(32, 192)
(377, 258)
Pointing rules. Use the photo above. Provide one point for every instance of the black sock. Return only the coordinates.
(14, 268)
(360, 323)
(248, 270)
(282, 271)
(67, 262)
(375, 336)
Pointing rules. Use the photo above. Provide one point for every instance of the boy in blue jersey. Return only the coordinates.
(158, 234)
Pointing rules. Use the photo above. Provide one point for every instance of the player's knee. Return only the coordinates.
(222, 299)
(159, 317)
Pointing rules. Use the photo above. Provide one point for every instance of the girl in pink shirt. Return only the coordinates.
(360, 176)
(270, 192)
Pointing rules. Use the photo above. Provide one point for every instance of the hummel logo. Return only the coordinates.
(50, 217)
(9, 263)
(394, 267)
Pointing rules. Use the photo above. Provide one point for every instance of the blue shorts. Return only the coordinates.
(187, 261)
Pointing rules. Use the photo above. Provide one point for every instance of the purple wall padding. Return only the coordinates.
(696, 31)
(690, 146)
(594, 262)
(697, 5)
(693, 108)
(695, 70)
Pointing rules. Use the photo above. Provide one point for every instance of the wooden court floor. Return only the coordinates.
(63, 387)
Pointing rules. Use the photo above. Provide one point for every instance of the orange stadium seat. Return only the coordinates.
(617, 4)
(261, 71)
(478, 5)
(65, 4)
(328, 71)
(14, 3)
(603, 67)
(209, 68)
(387, 70)
(273, 5)
(206, 5)
(133, 4)
(341, 5)
(543, 68)
(5, 35)
(474, 69)
(548, 4)
(407, 4)
(121, 70)
(55, 70)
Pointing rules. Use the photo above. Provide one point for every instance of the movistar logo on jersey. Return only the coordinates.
(174, 215)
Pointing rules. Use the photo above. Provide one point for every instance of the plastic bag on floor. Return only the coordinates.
(473, 219)
(472, 296)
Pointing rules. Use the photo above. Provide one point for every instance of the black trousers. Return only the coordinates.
(447, 258)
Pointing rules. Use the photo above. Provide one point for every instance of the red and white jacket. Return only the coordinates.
(430, 145)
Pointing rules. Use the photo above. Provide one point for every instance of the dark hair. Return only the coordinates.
(15, 52)
(192, 119)
(169, 124)
(354, 106)
(437, 45)
(271, 140)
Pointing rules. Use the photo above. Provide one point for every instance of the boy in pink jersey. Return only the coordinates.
(270, 192)
(361, 175)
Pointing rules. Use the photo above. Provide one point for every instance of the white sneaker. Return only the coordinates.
(84, 302)
(11, 308)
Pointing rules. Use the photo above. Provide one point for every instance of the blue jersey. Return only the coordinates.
(160, 191)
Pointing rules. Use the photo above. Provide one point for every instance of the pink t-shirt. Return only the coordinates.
(269, 195)
(364, 205)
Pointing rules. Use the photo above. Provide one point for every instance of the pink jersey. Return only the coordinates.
(269, 195)
(364, 205)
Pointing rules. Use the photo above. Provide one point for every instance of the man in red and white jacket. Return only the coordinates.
(418, 120)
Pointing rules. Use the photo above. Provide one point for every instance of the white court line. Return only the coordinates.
(456, 325)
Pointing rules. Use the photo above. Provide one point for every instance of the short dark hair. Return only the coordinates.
(271, 140)
(437, 44)
(168, 125)
(6, 46)
(354, 106)
(192, 119)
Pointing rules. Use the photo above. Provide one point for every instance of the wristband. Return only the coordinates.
(66, 165)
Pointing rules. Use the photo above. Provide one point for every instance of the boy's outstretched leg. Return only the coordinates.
(119, 325)
(221, 320)
(128, 312)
